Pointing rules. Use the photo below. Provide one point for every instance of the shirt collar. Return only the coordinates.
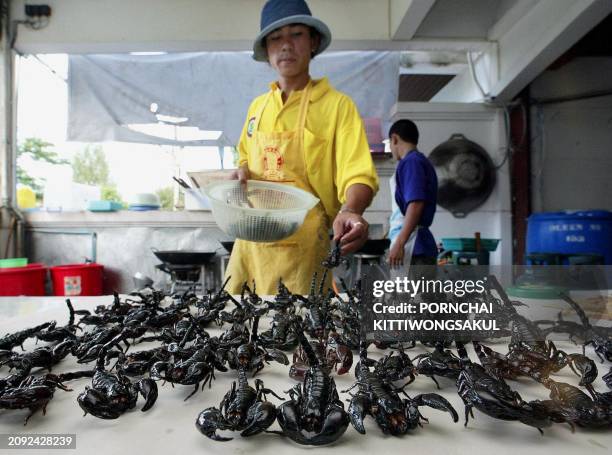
(319, 88)
(409, 153)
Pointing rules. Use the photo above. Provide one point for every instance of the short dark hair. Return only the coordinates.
(406, 130)
(314, 33)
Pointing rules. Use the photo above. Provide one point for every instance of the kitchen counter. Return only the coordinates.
(169, 426)
(122, 218)
(154, 218)
(123, 240)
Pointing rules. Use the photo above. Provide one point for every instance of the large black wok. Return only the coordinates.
(375, 246)
(228, 245)
(184, 257)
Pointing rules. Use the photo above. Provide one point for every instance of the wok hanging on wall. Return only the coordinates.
(466, 175)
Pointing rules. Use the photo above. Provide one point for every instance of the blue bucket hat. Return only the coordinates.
(278, 13)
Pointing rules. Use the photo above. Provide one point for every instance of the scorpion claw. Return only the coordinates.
(148, 390)
(346, 358)
(435, 401)
(278, 356)
(208, 421)
(357, 411)
(260, 417)
(335, 424)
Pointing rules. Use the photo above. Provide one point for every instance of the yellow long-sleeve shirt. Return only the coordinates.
(337, 154)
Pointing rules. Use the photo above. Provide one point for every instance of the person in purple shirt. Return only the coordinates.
(416, 189)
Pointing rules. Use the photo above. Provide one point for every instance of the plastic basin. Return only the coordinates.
(13, 262)
(28, 280)
(77, 279)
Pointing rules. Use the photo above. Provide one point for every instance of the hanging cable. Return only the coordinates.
(49, 67)
(511, 147)
(485, 96)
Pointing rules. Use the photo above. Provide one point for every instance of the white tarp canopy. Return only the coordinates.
(119, 97)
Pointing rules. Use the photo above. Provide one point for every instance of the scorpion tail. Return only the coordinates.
(254, 336)
(494, 284)
(313, 360)
(313, 284)
(463, 355)
(334, 426)
(435, 401)
(578, 309)
(71, 312)
(95, 403)
(224, 284)
(322, 283)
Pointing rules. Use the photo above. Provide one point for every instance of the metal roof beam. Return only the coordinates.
(405, 16)
(526, 49)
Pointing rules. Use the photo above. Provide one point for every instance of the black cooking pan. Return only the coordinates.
(375, 246)
(184, 257)
(228, 245)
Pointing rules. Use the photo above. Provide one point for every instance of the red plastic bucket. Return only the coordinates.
(77, 279)
(28, 280)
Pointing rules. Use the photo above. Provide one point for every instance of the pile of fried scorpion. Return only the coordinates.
(323, 330)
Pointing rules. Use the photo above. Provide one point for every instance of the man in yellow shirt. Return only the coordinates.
(304, 133)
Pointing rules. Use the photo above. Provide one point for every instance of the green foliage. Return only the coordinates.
(25, 179)
(36, 149)
(109, 193)
(166, 197)
(90, 166)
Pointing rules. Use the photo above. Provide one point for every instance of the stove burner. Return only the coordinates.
(185, 277)
(181, 272)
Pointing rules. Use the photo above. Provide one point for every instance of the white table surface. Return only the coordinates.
(169, 426)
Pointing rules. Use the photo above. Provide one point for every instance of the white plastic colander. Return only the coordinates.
(265, 212)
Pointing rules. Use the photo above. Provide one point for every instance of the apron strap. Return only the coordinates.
(261, 110)
(301, 121)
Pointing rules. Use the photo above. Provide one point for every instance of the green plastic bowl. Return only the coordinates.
(13, 262)
(469, 244)
(536, 291)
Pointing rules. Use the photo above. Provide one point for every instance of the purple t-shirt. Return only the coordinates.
(416, 180)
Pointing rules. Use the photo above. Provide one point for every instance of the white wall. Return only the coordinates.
(483, 125)
(94, 26)
(377, 215)
(572, 141)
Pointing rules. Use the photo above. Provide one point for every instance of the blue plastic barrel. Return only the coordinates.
(585, 232)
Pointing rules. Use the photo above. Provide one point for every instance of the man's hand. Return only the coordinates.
(242, 174)
(351, 230)
(396, 253)
(411, 219)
